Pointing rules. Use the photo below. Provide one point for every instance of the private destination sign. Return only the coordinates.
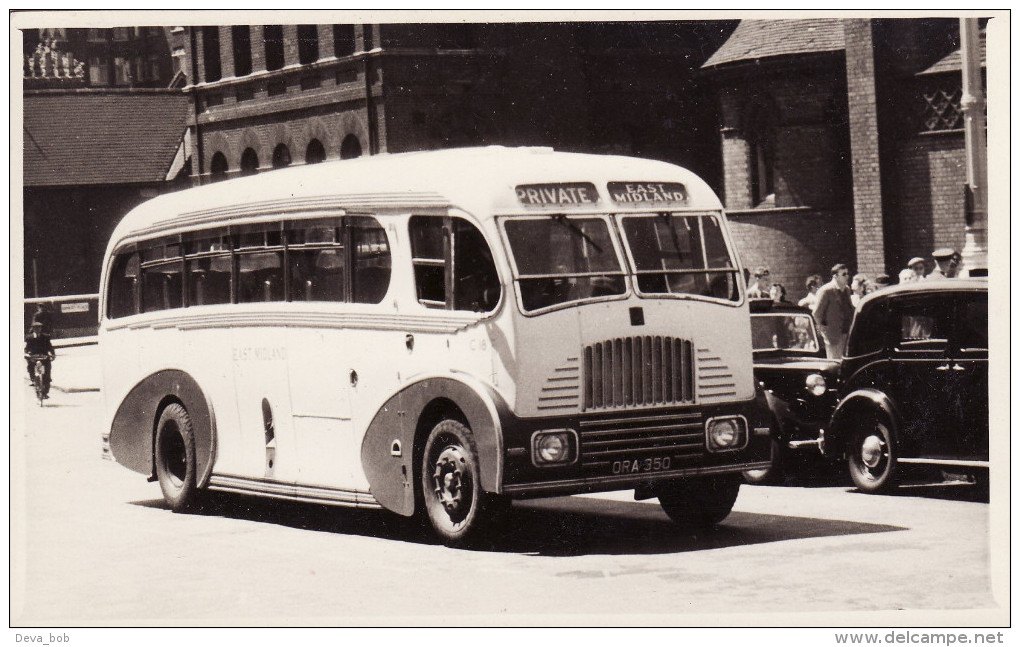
(672, 193)
(561, 194)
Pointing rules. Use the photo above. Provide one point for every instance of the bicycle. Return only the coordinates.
(39, 376)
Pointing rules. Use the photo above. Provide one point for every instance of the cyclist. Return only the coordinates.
(37, 343)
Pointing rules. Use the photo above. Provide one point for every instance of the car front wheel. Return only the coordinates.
(872, 457)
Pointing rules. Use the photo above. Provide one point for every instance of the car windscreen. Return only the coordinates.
(562, 259)
(784, 331)
(681, 254)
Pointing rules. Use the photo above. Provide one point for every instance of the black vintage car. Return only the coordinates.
(914, 383)
(799, 383)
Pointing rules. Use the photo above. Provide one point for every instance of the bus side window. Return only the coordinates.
(259, 264)
(120, 296)
(209, 266)
(467, 266)
(475, 281)
(162, 275)
(316, 260)
(370, 278)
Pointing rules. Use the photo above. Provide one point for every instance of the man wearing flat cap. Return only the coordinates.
(946, 264)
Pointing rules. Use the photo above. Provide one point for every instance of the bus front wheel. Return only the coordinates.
(456, 506)
(700, 503)
(175, 458)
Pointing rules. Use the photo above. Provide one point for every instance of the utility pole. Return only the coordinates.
(972, 104)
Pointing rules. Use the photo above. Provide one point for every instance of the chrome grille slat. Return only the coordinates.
(638, 371)
(676, 434)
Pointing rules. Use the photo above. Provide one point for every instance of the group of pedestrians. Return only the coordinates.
(833, 303)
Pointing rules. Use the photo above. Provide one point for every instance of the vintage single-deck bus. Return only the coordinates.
(435, 333)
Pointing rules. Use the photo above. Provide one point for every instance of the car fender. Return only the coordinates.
(849, 410)
(132, 430)
(391, 449)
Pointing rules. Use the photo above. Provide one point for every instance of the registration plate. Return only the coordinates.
(639, 465)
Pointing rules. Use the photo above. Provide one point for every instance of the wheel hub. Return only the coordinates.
(449, 479)
(872, 450)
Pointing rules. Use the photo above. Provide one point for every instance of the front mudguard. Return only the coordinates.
(391, 450)
(848, 414)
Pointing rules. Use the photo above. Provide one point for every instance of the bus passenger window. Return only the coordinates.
(259, 263)
(162, 275)
(371, 267)
(161, 286)
(120, 299)
(316, 260)
(259, 277)
(209, 280)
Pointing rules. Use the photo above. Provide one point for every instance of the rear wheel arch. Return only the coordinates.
(133, 429)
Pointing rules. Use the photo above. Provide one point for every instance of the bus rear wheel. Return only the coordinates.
(455, 505)
(700, 503)
(175, 458)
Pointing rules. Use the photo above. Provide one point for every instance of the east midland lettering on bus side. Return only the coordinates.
(564, 194)
(263, 353)
(647, 192)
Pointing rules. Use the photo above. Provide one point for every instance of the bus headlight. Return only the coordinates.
(815, 384)
(554, 447)
(726, 433)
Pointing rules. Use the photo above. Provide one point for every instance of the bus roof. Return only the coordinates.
(482, 181)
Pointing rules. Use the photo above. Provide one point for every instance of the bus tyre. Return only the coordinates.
(871, 456)
(455, 505)
(700, 503)
(175, 458)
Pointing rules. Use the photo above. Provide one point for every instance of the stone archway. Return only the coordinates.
(350, 148)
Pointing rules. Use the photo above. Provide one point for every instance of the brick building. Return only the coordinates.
(265, 96)
(841, 140)
(91, 155)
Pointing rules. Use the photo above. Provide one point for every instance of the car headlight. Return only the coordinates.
(726, 433)
(815, 384)
(556, 447)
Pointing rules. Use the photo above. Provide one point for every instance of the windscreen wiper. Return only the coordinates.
(562, 219)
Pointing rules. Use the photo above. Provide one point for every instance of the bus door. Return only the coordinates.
(262, 390)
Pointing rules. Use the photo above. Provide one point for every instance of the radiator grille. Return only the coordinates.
(638, 371)
(673, 435)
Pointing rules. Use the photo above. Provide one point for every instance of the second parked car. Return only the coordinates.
(799, 383)
(914, 383)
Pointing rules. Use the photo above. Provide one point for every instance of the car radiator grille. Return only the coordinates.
(605, 440)
(638, 371)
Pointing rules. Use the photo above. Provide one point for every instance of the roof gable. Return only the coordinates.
(757, 39)
(81, 137)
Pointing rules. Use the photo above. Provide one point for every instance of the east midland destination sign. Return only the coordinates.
(641, 193)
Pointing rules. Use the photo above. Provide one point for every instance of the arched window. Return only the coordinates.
(308, 43)
(249, 162)
(315, 153)
(281, 156)
(218, 167)
(351, 148)
(343, 40)
(211, 53)
(241, 36)
(272, 37)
